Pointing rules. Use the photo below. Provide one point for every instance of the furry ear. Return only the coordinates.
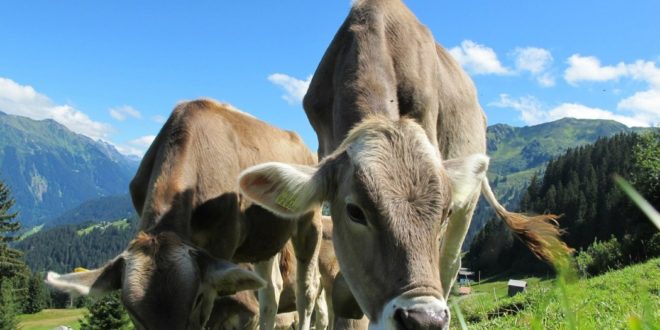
(286, 190)
(225, 277)
(89, 282)
(466, 175)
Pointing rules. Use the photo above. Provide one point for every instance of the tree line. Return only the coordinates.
(22, 288)
(599, 220)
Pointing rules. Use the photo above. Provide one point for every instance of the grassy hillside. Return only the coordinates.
(89, 245)
(517, 153)
(48, 319)
(626, 298)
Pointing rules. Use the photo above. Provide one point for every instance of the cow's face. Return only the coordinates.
(390, 197)
(165, 283)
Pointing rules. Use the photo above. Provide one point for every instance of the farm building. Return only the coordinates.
(465, 276)
(516, 286)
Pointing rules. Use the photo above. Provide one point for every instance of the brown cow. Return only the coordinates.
(186, 193)
(402, 138)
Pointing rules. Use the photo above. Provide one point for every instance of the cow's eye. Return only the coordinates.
(355, 213)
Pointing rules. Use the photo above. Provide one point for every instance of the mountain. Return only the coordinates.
(517, 153)
(88, 245)
(51, 169)
(100, 209)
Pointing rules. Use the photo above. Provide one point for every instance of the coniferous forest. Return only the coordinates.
(600, 222)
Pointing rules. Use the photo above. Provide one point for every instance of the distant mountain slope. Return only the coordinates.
(100, 209)
(50, 169)
(518, 152)
(90, 245)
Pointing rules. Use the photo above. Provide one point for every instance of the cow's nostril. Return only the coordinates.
(412, 319)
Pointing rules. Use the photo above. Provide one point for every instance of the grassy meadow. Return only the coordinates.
(48, 319)
(628, 298)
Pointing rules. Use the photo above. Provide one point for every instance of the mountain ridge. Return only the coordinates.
(51, 169)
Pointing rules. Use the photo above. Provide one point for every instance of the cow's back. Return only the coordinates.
(384, 61)
(188, 177)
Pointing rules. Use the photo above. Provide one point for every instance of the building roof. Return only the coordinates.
(518, 283)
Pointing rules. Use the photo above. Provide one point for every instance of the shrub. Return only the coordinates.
(600, 257)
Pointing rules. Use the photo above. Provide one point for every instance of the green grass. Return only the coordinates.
(31, 232)
(48, 319)
(120, 224)
(624, 299)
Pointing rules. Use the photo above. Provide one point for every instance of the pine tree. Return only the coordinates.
(7, 224)
(37, 297)
(106, 313)
(14, 273)
(7, 307)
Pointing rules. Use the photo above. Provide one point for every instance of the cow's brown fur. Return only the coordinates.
(192, 215)
(187, 183)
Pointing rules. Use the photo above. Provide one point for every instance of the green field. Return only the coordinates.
(624, 299)
(48, 319)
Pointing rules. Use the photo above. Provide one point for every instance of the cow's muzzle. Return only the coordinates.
(415, 313)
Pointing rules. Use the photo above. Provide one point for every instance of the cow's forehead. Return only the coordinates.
(149, 257)
(378, 138)
(398, 168)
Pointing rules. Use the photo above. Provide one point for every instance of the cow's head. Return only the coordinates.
(390, 196)
(164, 282)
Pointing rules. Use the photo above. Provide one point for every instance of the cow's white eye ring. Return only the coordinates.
(356, 214)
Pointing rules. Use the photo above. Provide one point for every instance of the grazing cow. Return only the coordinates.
(186, 193)
(402, 140)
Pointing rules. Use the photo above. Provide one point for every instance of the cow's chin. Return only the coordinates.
(420, 312)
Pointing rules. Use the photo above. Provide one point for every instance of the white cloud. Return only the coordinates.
(159, 119)
(295, 88)
(23, 100)
(129, 150)
(124, 111)
(546, 79)
(536, 61)
(588, 68)
(646, 103)
(478, 59)
(143, 141)
(532, 59)
(643, 105)
(136, 146)
(580, 111)
(532, 112)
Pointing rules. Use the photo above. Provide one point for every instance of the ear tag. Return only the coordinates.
(80, 270)
(287, 200)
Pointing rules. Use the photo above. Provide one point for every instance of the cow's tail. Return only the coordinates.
(540, 232)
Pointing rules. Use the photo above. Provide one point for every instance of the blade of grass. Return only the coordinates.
(643, 205)
(459, 315)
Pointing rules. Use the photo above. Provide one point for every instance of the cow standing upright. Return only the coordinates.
(191, 215)
(402, 140)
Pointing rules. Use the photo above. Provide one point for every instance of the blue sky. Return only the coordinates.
(114, 70)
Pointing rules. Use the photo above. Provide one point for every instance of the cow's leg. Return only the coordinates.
(307, 244)
(322, 312)
(451, 242)
(269, 297)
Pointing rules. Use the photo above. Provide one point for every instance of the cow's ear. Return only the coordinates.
(466, 175)
(286, 190)
(225, 277)
(89, 282)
